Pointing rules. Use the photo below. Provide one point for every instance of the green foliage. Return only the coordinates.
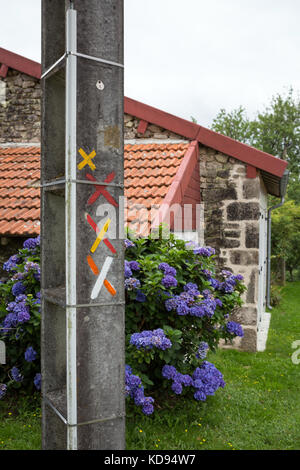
(275, 130)
(185, 331)
(234, 124)
(275, 295)
(20, 318)
(286, 236)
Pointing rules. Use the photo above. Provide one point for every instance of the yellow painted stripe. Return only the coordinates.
(101, 235)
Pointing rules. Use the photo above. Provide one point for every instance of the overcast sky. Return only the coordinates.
(191, 57)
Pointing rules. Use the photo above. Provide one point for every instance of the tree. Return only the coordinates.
(286, 237)
(234, 124)
(275, 130)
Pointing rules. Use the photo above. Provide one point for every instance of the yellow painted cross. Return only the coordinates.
(87, 159)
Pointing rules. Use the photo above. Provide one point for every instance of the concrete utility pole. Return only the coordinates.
(82, 252)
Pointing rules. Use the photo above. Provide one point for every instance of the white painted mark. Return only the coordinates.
(101, 277)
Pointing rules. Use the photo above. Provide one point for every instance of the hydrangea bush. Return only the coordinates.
(177, 309)
(20, 320)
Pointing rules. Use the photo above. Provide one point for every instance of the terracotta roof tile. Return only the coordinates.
(149, 171)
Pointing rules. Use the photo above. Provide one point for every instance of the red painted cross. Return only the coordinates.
(101, 190)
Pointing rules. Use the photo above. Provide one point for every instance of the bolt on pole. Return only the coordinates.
(82, 189)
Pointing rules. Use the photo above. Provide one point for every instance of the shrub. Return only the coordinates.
(177, 309)
(275, 295)
(20, 320)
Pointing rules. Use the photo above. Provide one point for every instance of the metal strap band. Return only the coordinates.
(96, 59)
(64, 305)
(83, 56)
(54, 66)
(59, 182)
(108, 304)
(84, 423)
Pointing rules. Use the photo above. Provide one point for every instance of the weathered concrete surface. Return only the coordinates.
(100, 330)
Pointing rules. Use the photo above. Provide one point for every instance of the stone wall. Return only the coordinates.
(231, 218)
(131, 124)
(20, 112)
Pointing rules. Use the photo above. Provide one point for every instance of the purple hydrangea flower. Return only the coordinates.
(140, 296)
(207, 379)
(128, 243)
(148, 339)
(234, 328)
(30, 354)
(31, 243)
(3, 389)
(11, 263)
(23, 316)
(38, 381)
(135, 389)
(179, 380)
(18, 276)
(176, 387)
(199, 396)
(206, 251)
(134, 265)
(148, 407)
(169, 372)
(35, 267)
(132, 283)
(18, 288)
(16, 374)
(184, 379)
(18, 312)
(127, 269)
(169, 281)
(192, 289)
(202, 350)
(167, 269)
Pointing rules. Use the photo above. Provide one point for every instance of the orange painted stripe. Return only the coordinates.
(92, 265)
(109, 287)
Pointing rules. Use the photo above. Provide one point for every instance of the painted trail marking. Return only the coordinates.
(109, 287)
(96, 271)
(109, 246)
(92, 265)
(92, 223)
(102, 279)
(97, 230)
(101, 190)
(100, 235)
(87, 160)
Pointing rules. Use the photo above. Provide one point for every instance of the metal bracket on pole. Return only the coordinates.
(70, 218)
(85, 423)
(59, 182)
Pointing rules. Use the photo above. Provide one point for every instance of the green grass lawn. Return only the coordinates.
(258, 409)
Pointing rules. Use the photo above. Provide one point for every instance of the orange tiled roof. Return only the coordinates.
(149, 171)
(19, 203)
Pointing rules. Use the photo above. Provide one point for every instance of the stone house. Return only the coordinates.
(168, 161)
